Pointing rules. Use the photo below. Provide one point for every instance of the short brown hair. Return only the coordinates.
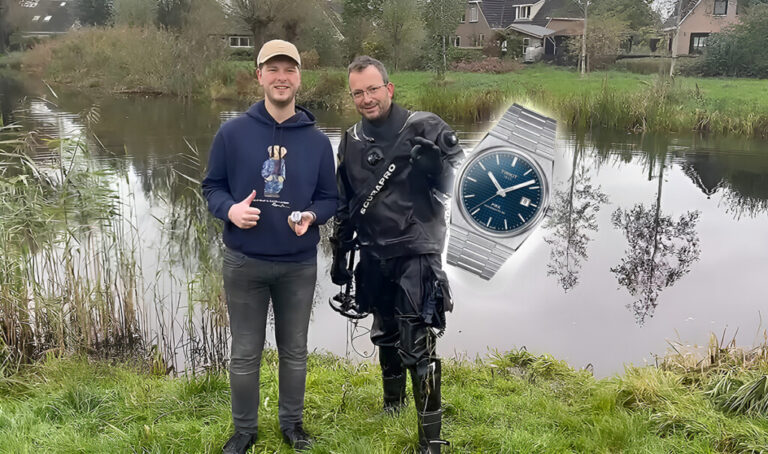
(363, 61)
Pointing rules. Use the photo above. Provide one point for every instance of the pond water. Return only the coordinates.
(652, 239)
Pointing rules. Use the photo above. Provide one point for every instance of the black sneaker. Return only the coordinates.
(297, 438)
(239, 443)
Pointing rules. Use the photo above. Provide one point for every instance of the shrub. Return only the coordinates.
(488, 65)
(327, 91)
(457, 54)
(739, 51)
(241, 55)
(117, 60)
(310, 59)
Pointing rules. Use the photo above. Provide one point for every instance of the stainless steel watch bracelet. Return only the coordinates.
(476, 254)
(528, 130)
(531, 132)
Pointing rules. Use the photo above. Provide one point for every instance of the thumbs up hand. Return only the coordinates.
(242, 214)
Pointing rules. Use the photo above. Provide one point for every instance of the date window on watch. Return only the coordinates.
(525, 201)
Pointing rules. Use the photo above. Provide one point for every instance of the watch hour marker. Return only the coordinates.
(505, 225)
(489, 222)
(497, 160)
(471, 179)
(514, 161)
(529, 171)
(481, 165)
(474, 212)
(469, 196)
(534, 205)
(521, 217)
(534, 187)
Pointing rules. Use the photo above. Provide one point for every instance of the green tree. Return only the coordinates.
(583, 6)
(638, 14)
(741, 50)
(359, 19)
(441, 17)
(10, 18)
(606, 34)
(171, 13)
(94, 12)
(401, 30)
(642, 21)
(256, 16)
(135, 13)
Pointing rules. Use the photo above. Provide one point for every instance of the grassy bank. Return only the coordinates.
(611, 99)
(116, 61)
(514, 402)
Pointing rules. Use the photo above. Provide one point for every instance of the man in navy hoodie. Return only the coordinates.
(263, 166)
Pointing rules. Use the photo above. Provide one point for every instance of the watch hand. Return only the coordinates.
(499, 189)
(518, 186)
(483, 202)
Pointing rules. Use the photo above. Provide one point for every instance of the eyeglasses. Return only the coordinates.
(370, 91)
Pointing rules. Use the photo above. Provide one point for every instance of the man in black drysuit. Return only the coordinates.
(395, 171)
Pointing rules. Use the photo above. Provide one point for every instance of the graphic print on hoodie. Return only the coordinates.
(290, 166)
(273, 171)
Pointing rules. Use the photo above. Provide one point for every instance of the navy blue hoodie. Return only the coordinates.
(289, 164)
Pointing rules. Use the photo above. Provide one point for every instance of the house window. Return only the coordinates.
(698, 43)
(721, 7)
(473, 13)
(63, 4)
(481, 38)
(524, 12)
(463, 17)
(35, 18)
(47, 18)
(457, 41)
(239, 41)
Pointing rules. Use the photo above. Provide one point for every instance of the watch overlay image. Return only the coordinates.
(501, 191)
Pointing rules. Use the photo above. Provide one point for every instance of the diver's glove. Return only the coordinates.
(340, 274)
(425, 157)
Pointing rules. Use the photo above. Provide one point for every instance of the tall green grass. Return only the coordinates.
(512, 402)
(615, 100)
(74, 277)
(131, 60)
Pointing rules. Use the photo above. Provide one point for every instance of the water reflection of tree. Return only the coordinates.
(573, 214)
(660, 249)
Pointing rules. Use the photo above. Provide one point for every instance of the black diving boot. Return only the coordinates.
(426, 394)
(392, 378)
(394, 393)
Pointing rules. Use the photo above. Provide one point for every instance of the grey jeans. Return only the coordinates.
(249, 285)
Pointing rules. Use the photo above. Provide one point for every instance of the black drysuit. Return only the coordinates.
(397, 211)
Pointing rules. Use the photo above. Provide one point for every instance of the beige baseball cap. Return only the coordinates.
(277, 47)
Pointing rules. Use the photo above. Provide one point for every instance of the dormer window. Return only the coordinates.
(47, 18)
(721, 8)
(473, 17)
(63, 4)
(524, 12)
(35, 18)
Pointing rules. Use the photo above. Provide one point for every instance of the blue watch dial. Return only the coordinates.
(501, 191)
